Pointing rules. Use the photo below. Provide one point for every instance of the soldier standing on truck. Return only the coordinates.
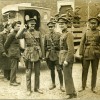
(76, 15)
(69, 14)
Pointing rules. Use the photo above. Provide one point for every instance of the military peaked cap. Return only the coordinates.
(32, 20)
(93, 18)
(50, 23)
(63, 19)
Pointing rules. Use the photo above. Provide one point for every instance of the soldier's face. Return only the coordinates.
(93, 24)
(17, 27)
(51, 28)
(31, 25)
(63, 26)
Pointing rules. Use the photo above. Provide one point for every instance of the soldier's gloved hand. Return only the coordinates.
(4, 54)
(43, 59)
(65, 63)
(80, 56)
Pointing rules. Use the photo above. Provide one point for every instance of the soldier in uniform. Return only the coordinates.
(69, 14)
(76, 16)
(66, 57)
(4, 60)
(13, 48)
(89, 50)
(52, 59)
(32, 54)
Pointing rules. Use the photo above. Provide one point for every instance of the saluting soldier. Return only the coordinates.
(90, 52)
(52, 51)
(66, 57)
(13, 48)
(32, 54)
(4, 59)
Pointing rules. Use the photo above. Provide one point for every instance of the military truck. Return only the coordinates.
(24, 11)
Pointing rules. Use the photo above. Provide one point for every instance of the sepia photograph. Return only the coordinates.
(50, 49)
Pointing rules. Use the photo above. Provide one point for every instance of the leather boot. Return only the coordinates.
(52, 86)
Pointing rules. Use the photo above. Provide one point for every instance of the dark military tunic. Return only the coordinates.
(12, 45)
(33, 46)
(66, 48)
(4, 61)
(89, 43)
(67, 54)
(52, 46)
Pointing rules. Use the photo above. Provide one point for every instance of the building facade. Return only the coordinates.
(88, 7)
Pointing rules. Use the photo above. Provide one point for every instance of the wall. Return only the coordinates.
(94, 6)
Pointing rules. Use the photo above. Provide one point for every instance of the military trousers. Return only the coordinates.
(52, 65)
(69, 84)
(94, 66)
(29, 66)
(7, 73)
(14, 67)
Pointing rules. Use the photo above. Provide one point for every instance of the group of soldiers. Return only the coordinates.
(59, 53)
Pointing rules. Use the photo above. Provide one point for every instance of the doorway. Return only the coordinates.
(32, 14)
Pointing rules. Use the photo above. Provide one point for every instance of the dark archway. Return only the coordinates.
(32, 14)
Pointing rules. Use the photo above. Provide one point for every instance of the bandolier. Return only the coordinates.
(32, 54)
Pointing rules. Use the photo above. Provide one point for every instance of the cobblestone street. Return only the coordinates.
(19, 92)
